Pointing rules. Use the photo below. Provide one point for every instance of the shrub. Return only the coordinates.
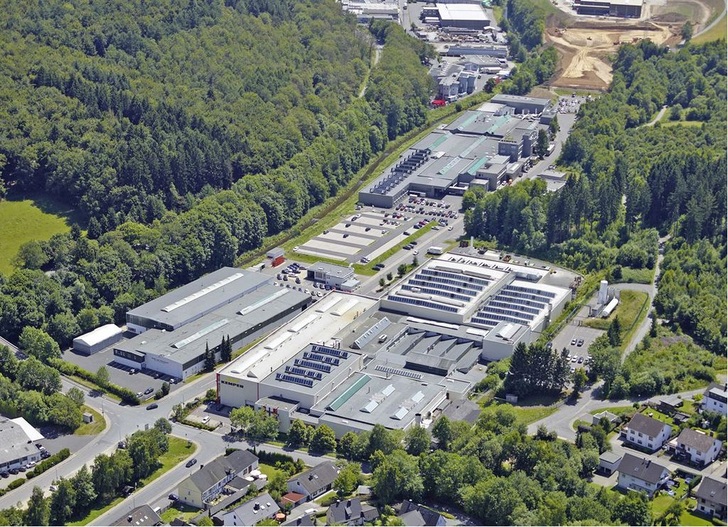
(48, 463)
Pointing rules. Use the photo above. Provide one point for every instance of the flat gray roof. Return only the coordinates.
(504, 98)
(188, 342)
(331, 269)
(391, 402)
(204, 295)
(472, 12)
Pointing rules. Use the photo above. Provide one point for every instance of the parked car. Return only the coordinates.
(580, 342)
(153, 406)
(573, 342)
(173, 497)
(148, 391)
(191, 462)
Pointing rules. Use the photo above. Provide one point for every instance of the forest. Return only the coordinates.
(628, 185)
(129, 257)
(129, 109)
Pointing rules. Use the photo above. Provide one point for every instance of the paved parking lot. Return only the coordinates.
(577, 332)
(118, 373)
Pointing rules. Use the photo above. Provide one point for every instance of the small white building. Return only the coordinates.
(699, 448)
(646, 432)
(98, 339)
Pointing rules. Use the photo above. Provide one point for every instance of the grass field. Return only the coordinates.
(181, 511)
(631, 305)
(637, 276)
(92, 428)
(179, 449)
(25, 219)
(525, 414)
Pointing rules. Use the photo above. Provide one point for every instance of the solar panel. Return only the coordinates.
(293, 379)
(313, 365)
(317, 348)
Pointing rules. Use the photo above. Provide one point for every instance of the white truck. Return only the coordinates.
(435, 250)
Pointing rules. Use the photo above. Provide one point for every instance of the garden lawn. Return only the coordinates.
(92, 428)
(181, 511)
(269, 470)
(25, 220)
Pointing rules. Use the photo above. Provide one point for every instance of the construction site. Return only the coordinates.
(586, 43)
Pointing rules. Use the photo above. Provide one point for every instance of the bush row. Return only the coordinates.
(68, 368)
(48, 463)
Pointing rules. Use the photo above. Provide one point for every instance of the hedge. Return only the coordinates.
(68, 368)
(271, 458)
(48, 463)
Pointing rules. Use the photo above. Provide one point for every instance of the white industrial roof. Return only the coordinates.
(32, 433)
(462, 12)
(318, 324)
(99, 334)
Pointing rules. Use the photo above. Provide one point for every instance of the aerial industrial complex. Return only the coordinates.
(487, 146)
(352, 362)
(616, 8)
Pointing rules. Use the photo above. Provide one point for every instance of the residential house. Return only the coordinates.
(315, 481)
(209, 481)
(711, 496)
(698, 447)
(142, 516)
(350, 512)
(714, 399)
(251, 512)
(646, 432)
(413, 514)
(641, 474)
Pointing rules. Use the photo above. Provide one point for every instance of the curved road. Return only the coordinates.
(122, 420)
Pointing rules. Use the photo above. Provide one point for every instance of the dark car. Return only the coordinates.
(173, 497)
(14, 471)
(153, 406)
(192, 462)
(580, 342)
(148, 391)
(5, 474)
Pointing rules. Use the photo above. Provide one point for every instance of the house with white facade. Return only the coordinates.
(714, 399)
(697, 447)
(641, 474)
(646, 432)
(208, 482)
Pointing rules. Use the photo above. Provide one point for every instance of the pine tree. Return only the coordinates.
(209, 358)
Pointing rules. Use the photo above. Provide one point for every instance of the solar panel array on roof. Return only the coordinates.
(313, 365)
(326, 360)
(294, 379)
(514, 303)
(317, 348)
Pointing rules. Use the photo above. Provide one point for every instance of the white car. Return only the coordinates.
(206, 419)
